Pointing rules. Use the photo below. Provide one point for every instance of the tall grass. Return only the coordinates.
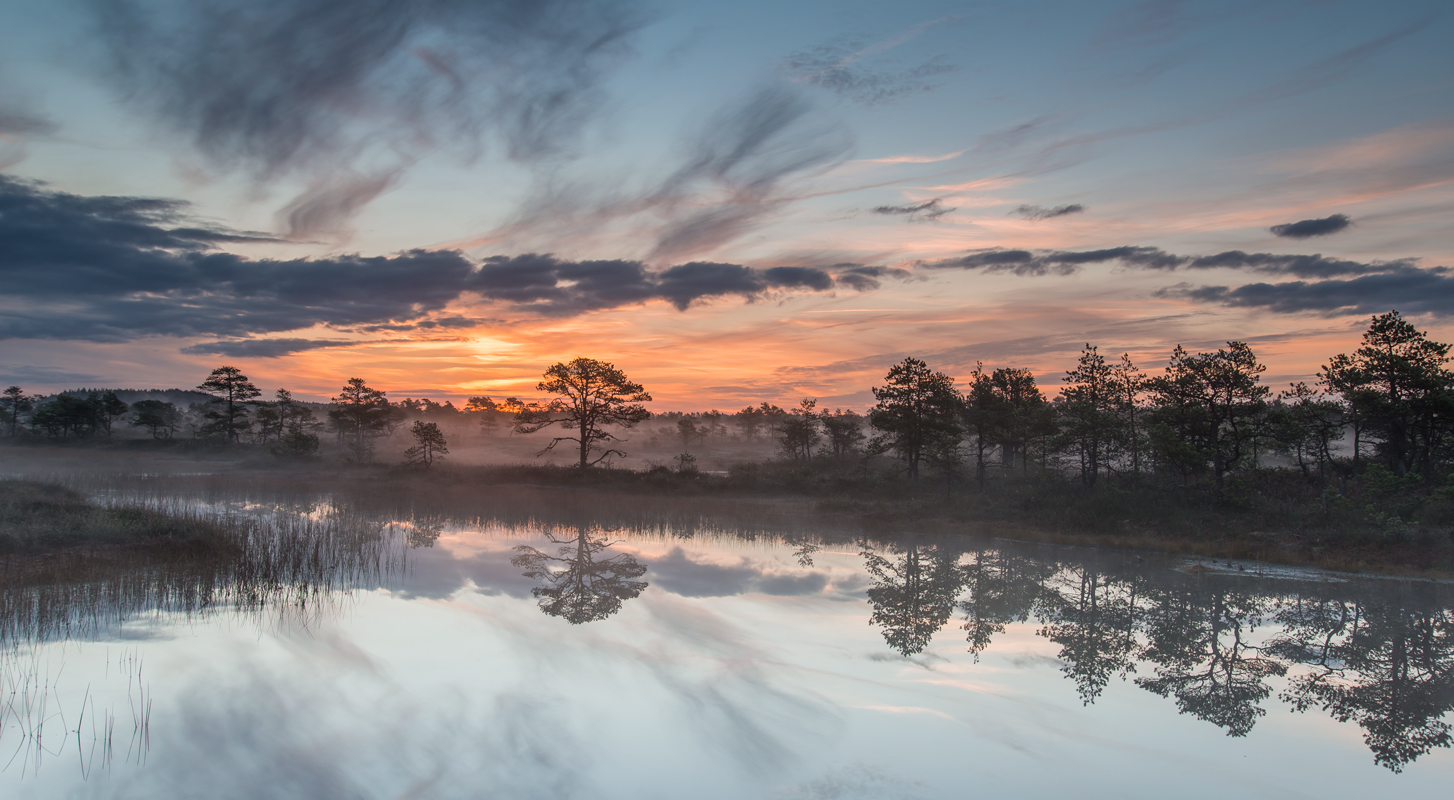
(150, 553)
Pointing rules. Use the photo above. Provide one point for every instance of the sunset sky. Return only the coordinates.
(733, 202)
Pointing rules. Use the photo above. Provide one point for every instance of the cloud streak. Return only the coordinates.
(931, 210)
(737, 171)
(1041, 212)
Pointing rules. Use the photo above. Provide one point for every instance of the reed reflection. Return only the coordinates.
(578, 585)
(294, 564)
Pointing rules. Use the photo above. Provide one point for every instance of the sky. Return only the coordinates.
(731, 202)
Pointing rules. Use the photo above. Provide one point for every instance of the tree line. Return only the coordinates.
(357, 417)
(1387, 406)
(1385, 409)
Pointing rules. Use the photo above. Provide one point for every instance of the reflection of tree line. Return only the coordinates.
(1380, 654)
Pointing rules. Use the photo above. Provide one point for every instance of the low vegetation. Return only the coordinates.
(1356, 471)
(44, 517)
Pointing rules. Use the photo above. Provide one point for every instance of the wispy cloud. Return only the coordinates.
(839, 68)
(930, 211)
(742, 166)
(19, 122)
(912, 159)
(332, 89)
(1041, 212)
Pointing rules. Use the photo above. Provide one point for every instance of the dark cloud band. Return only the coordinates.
(1413, 291)
(117, 268)
(1064, 262)
(1323, 285)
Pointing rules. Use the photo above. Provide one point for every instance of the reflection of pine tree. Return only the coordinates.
(1196, 640)
(1383, 659)
(1092, 616)
(1387, 664)
(578, 587)
(914, 596)
(1003, 587)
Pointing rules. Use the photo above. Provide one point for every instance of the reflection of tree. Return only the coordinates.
(1195, 636)
(1003, 587)
(1377, 653)
(1387, 664)
(1092, 616)
(579, 587)
(424, 533)
(913, 597)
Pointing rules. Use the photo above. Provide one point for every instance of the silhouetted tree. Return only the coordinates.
(1209, 409)
(361, 415)
(1397, 386)
(429, 444)
(109, 408)
(1025, 414)
(916, 408)
(1305, 425)
(14, 402)
(489, 412)
(1129, 383)
(158, 417)
(227, 413)
(844, 428)
(593, 395)
(267, 423)
(687, 430)
(1088, 409)
(985, 415)
(753, 419)
(578, 585)
(299, 428)
(66, 415)
(797, 433)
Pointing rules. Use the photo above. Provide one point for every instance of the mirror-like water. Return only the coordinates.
(448, 658)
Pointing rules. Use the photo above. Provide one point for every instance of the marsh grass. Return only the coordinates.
(37, 723)
(540, 498)
(1272, 514)
(40, 517)
(90, 564)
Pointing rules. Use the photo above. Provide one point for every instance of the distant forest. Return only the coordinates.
(1378, 423)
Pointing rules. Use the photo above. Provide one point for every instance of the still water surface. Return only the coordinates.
(509, 660)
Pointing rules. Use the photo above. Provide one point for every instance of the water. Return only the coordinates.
(489, 659)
